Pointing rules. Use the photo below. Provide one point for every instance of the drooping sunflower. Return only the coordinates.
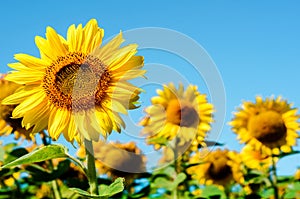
(118, 159)
(269, 125)
(7, 124)
(178, 112)
(77, 87)
(219, 167)
(255, 159)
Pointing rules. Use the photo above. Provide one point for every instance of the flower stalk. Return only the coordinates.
(91, 168)
(54, 184)
(176, 166)
(274, 178)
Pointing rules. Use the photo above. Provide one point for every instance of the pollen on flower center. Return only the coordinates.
(267, 127)
(76, 82)
(181, 113)
(219, 169)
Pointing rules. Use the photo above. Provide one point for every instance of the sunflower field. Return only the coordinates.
(78, 88)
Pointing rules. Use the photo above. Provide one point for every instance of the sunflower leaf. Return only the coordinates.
(116, 187)
(212, 143)
(287, 154)
(83, 193)
(188, 165)
(179, 179)
(39, 155)
(212, 191)
(159, 140)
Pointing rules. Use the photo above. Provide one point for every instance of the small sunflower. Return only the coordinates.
(117, 159)
(269, 125)
(7, 124)
(219, 167)
(255, 159)
(297, 174)
(44, 191)
(77, 87)
(178, 112)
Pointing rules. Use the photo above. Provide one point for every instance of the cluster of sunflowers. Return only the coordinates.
(79, 87)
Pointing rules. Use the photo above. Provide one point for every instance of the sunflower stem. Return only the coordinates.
(54, 184)
(274, 178)
(176, 167)
(55, 189)
(91, 169)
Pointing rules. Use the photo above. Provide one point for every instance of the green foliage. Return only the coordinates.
(44, 153)
(212, 192)
(105, 191)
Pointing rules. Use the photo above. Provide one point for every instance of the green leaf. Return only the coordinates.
(116, 187)
(8, 172)
(39, 155)
(162, 182)
(267, 193)
(15, 154)
(141, 193)
(179, 179)
(212, 191)
(38, 173)
(159, 140)
(213, 143)
(188, 165)
(167, 171)
(105, 191)
(9, 147)
(287, 154)
(2, 153)
(293, 191)
(83, 193)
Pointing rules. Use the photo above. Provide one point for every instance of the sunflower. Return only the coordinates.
(219, 167)
(7, 124)
(77, 87)
(297, 174)
(254, 159)
(117, 160)
(44, 191)
(177, 112)
(268, 125)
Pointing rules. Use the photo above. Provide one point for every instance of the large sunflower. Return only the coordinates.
(7, 124)
(76, 87)
(269, 125)
(219, 167)
(178, 112)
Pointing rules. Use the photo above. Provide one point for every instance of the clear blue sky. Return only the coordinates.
(255, 44)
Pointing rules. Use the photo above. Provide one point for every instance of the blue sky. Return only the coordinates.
(254, 44)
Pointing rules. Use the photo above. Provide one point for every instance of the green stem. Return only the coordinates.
(176, 166)
(175, 193)
(79, 163)
(91, 169)
(56, 191)
(274, 178)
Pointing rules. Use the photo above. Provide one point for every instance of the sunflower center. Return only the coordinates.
(76, 82)
(181, 113)
(267, 127)
(219, 169)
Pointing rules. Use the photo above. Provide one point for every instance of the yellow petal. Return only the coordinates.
(21, 95)
(30, 103)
